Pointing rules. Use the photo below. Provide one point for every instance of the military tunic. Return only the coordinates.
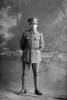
(31, 43)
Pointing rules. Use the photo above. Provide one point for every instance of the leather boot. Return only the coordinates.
(23, 90)
(36, 84)
(37, 92)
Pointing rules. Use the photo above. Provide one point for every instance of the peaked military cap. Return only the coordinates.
(33, 20)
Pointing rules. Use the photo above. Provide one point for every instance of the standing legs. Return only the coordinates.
(25, 68)
(35, 68)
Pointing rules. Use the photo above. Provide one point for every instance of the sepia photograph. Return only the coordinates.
(33, 49)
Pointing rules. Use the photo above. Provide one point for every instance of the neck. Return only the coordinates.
(34, 30)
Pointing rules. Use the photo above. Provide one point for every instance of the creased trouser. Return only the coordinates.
(35, 69)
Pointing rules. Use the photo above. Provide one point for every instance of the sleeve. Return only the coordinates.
(41, 42)
(22, 42)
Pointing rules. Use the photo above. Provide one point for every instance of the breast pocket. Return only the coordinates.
(35, 42)
(37, 39)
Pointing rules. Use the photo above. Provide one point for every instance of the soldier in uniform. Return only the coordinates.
(32, 42)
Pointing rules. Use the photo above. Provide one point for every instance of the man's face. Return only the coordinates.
(33, 26)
